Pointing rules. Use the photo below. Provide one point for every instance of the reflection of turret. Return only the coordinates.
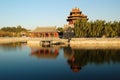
(78, 58)
(74, 67)
(44, 53)
(68, 52)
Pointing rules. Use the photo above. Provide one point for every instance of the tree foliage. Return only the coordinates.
(5, 34)
(60, 29)
(98, 28)
(69, 33)
(12, 31)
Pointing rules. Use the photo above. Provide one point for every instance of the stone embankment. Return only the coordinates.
(38, 41)
(74, 42)
(6, 40)
(95, 43)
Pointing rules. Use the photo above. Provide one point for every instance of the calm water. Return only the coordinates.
(20, 62)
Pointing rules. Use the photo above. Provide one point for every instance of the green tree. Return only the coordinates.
(60, 29)
(97, 28)
(14, 31)
(81, 28)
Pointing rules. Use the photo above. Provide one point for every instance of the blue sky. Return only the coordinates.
(33, 13)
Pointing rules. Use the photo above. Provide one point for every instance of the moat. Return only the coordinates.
(21, 62)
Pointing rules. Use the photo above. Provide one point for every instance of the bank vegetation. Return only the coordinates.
(13, 31)
(98, 28)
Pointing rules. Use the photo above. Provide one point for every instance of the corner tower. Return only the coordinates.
(75, 14)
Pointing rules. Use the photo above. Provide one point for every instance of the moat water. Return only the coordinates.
(21, 62)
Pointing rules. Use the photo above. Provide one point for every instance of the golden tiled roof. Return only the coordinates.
(75, 10)
(76, 14)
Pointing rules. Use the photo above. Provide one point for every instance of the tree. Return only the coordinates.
(69, 33)
(97, 28)
(15, 31)
(81, 28)
(60, 29)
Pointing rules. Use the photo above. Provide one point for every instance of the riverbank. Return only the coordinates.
(31, 41)
(92, 43)
(77, 43)
(6, 40)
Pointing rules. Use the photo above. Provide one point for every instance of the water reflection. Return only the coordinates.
(78, 58)
(40, 63)
(44, 52)
(12, 46)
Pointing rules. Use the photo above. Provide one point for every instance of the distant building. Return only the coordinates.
(23, 34)
(75, 14)
(44, 32)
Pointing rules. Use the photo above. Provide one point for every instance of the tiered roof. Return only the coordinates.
(76, 14)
